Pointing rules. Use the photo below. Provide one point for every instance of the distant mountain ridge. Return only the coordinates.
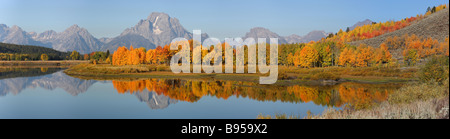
(15, 35)
(73, 38)
(76, 38)
(260, 32)
(158, 29)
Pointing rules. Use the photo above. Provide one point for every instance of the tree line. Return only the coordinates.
(308, 55)
(14, 52)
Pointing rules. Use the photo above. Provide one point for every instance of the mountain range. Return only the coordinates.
(157, 30)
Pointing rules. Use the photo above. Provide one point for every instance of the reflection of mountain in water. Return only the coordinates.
(153, 100)
(354, 95)
(71, 85)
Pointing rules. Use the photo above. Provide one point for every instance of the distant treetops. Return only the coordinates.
(313, 54)
(15, 52)
(435, 9)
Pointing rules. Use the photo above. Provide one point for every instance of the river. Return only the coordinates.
(49, 93)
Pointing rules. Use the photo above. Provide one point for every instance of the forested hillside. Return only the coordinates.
(28, 52)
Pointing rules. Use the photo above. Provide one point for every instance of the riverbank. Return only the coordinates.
(414, 101)
(31, 64)
(109, 72)
(287, 75)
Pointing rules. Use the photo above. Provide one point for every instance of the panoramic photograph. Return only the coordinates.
(224, 59)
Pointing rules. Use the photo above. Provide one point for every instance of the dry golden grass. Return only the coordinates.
(414, 101)
(90, 69)
(429, 109)
(336, 73)
(277, 116)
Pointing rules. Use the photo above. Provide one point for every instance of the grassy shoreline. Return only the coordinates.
(28, 64)
(287, 76)
(414, 101)
(105, 72)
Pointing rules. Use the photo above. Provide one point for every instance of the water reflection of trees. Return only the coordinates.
(8, 72)
(350, 94)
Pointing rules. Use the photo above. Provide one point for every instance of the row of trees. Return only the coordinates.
(124, 56)
(22, 57)
(307, 55)
(14, 52)
(313, 54)
(415, 48)
(324, 54)
(160, 55)
(99, 56)
(14, 57)
(365, 56)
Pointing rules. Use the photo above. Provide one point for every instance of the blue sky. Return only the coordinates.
(218, 18)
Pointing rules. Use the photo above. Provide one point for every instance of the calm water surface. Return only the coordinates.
(49, 93)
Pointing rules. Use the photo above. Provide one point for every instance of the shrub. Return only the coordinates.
(161, 68)
(436, 69)
(422, 91)
(325, 76)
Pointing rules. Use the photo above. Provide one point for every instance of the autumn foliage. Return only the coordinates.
(415, 48)
(435, 9)
(124, 56)
(372, 30)
(350, 94)
(331, 51)
(306, 57)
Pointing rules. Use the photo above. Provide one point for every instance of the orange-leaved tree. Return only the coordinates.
(120, 56)
(364, 56)
(383, 55)
(308, 56)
